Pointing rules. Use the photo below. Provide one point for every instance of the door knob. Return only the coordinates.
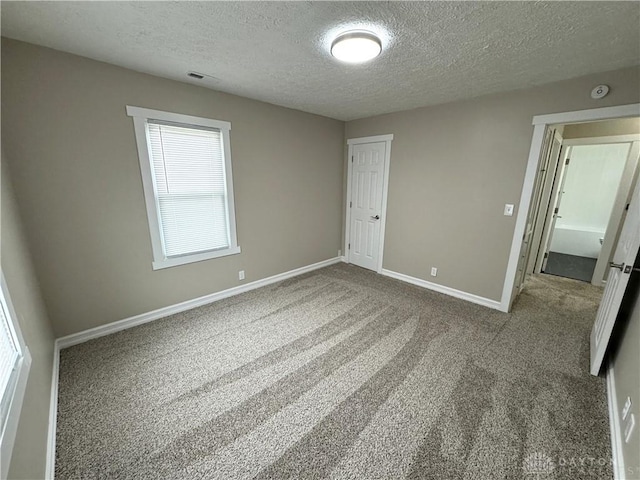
(377, 217)
(624, 268)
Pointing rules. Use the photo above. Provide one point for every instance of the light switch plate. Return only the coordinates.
(508, 209)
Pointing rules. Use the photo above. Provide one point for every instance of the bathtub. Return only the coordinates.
(584, 242)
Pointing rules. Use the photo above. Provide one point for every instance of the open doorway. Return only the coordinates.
(545, 156)
(581, 197)
(590, 182)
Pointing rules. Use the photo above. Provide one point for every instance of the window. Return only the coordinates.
(15, 362)
(9, 356)
(186, 172)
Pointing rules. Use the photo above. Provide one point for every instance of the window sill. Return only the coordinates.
(198, 257)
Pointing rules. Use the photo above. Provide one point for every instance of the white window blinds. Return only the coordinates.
(188, 168)
(9, 356)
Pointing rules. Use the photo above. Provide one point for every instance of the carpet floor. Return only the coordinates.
(342, 374)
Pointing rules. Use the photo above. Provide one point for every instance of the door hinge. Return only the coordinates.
(350, 204)
(351, 158)
(555, 210)
(566, 162)
(349, 247)
(627, 207)
(546, 255)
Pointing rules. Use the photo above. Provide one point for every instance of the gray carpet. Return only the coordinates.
(571, 266)
(342, 374)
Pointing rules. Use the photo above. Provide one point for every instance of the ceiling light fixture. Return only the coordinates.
(356, 47)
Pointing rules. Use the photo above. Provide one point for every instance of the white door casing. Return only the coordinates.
(619, 272)
(366, 201)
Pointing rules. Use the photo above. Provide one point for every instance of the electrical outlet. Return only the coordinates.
(629, 428)
(241, 275)
(434, 271)
(339, 253)
(626, 408)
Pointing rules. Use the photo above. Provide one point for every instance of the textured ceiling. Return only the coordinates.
(434, 52)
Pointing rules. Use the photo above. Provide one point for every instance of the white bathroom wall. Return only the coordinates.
(590, 189)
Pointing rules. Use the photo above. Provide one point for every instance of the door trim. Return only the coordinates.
(541, 123)
(385, 187)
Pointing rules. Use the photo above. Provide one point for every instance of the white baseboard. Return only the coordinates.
(616, 429)
(487, 302)
(53, 415)
(343, 259)
(80, 337)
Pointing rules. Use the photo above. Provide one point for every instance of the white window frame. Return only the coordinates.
(140, 117)
(16, 387)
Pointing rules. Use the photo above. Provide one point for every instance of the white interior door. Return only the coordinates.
(623, 197)
(367, 179)
(619, 271)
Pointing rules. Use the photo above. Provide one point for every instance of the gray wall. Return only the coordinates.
(454, 166)
(30, 448)
(77, 181)
(622, 126)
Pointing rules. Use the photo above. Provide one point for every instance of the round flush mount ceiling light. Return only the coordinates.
(356, 47)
